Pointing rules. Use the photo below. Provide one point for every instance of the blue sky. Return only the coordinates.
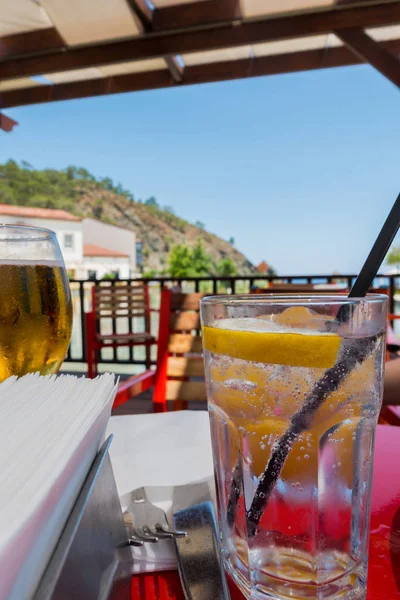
(300, 169)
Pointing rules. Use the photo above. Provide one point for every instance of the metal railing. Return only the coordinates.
(81, 292)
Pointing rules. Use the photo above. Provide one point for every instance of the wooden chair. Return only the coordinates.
(179, 375)
(117, 301)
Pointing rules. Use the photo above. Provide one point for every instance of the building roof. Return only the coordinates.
(36, 213)
(110, 224)
(263, 267)
(92, 250)
(113, 46)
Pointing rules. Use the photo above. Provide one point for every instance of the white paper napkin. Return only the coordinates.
(160, 452)
(51, 429)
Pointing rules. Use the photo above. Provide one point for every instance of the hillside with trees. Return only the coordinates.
(169, 242)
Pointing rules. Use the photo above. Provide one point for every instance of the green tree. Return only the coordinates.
(43, 201)
(108, 184)
(184, 261)
(393, 256)
(149, 274)
(109, 276)
(97, 209)
(26, 186)
(202, 262)
(231, 241)
(200, 225)
(151, 201)
(226, 268)
(6, 195)
(180, 261)
(71, 172)
(81, 173)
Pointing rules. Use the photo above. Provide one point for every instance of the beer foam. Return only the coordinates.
(17, 262)
(263, 325)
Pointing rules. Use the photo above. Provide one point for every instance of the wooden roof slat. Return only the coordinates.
(175, 68)
(380, 34)
(134, 66)
(294, 45)
(370, 51)
(256, 67)
(76, 75)
(22, 16)
(145, 16)
(19, 83)
(91, 21)
(210, 56)
(218, 36)
(180, 16)
(143, 12)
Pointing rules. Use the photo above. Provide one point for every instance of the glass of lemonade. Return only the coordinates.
(294, 386)
(35, 302)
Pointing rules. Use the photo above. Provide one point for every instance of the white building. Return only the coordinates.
(109, 236)
(67, 228)
(91, 249)
(99, 262)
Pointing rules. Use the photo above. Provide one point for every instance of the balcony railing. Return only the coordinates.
(81, 293)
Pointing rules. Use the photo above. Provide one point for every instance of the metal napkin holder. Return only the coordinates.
(92, 559)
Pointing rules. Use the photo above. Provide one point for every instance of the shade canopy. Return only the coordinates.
(62, 49)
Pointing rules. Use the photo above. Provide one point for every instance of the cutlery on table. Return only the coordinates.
(146, 522)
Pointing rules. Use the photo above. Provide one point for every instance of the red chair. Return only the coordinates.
(116, 302)
(179, 375)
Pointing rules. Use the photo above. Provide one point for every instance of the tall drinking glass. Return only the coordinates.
(294, 387)
(35, 302)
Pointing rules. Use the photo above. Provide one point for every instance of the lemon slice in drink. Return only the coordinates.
(264, 342)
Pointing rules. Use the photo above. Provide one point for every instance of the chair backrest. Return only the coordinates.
(114, 299)
(180, 370)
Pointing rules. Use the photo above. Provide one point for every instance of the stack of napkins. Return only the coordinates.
(50, 431)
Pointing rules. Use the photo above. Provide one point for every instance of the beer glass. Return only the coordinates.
(35, 302)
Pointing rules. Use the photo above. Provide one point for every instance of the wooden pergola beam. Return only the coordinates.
(371, 52)
(182, 16)
(30, 42)
(235, 69)
(178, 16)
(6, 123)
(194, 40)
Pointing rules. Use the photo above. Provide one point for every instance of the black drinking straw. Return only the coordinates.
(378, 252)
(332, 378)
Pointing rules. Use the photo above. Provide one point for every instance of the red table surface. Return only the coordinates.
(384, 552)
